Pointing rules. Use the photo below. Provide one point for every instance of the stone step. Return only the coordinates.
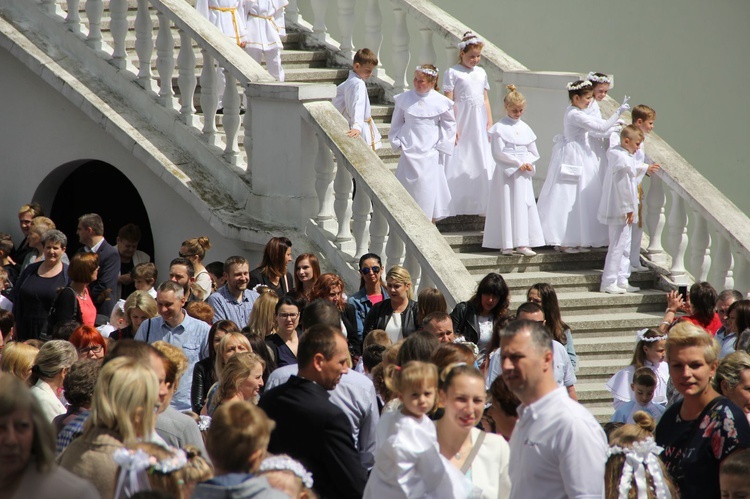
(566, 280)
(604, 323)
(593, 392)
(585, 302)
(601, 414)
(481, 262)
(317, 75)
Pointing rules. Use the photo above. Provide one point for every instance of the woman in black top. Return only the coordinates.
(204, 373)
(272, 271)
(397, 315)
(330, 287)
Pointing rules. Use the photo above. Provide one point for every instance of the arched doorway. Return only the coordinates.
(98, 187)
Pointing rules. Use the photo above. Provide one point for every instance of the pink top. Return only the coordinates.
(88, 310)
(375, 299)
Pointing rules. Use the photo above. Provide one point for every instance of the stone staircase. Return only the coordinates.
(603, 325)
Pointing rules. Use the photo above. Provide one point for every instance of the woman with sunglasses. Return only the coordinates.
(371, 288)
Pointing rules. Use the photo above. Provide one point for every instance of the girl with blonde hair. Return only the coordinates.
(18, 359)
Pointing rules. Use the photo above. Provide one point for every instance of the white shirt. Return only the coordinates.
(393, 327)
(558, 451)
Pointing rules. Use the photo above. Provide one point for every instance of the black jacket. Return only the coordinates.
(380, 314)
(203, 379)
(258, 277)
(349, 318)
(465, 321)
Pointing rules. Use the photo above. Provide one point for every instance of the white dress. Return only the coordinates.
(469, 169)
(408, 462)
(619, 384)
(265, 27)
(227, 15)
(423, 128)
(512, 219)
(568, 204)
(353, 102)
(598, 141)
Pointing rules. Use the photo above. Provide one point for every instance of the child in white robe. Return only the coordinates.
(265, 29)
(469, 169)
(599, 142)
(408, 462)
(353, 101)
(512, 220)
(643, 386)
(569, 199)
(423, 129)
(650, 351)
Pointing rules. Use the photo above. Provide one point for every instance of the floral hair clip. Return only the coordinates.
(474, 40)
(592, 77)
(205, 423)
(573, 86)
(640, 336)
(283, 462)
(641, 457)
(428, 71)
(176, 461)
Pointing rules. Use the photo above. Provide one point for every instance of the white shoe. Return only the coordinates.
(506, 252)
(629, 288)
(525, 251)
(612, 289)
(581, 249)
(639, 268)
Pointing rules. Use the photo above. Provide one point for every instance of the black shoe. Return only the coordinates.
(220, 110)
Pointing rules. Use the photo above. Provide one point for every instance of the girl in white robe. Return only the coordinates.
(569, 200)
(599, 142)
(423, 128)
(512, 219)
(265, 27)
(469, 169)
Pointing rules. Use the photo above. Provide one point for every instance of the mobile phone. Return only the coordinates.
(682, 290)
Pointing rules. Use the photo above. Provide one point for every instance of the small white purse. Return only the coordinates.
(570, 173)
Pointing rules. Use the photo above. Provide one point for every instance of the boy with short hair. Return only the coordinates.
(617, 208)
(236, 442)
(643, 386)
(353, 101)
(144, 277)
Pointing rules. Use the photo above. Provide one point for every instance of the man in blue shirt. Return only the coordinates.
(233, 301)
(177, 328)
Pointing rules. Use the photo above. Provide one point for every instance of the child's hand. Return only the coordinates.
(353, 133)
(456, 137)
(629, 218)
(527, 167)
(653, 168)
(242, 44)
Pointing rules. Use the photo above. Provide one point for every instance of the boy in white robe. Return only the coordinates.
(265, 29)
(353, 101)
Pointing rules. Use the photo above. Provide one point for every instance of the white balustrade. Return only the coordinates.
(677, 239)
(415, 269)
(186, 79)
(425, 282)
(118, 26)
(144, 45)
(324, 175)
(94, 11)
(291, 13)
(720, 273)
(378, 231)
(655, 220)
(319, 8)
(165, 62)
(741, 274)
(231, 120)
(346, 27)
(374, 31)
(361, 221)
(427, 52)
(48, 6)
(700, 241)
(342, 205)
(73, 17)
(209, 100)
(394, 250)
(401, 55)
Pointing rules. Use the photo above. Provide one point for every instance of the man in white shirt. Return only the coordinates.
(558, 448)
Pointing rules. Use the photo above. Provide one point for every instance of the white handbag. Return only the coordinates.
(570, 173)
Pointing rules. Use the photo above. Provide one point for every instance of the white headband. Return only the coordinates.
(640, 336)
(283, 462)
(638, 459)
(474, 40)
(134, 465)
(592, 77)
(428, 71)
(573, 86)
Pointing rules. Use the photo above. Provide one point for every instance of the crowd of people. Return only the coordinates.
(222, 381)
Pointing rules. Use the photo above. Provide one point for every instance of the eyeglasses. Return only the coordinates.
(288, 316)
(183, 255)
(92, 348)
(367, 270)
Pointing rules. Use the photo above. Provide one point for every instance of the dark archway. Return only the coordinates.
(98, 187)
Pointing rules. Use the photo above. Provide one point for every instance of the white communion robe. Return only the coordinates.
(423, 128)
(469, 168)
(353, 102)
(227, 15)
(598, 141)
(568, 203)
(265, 27)
(619, 384)
(512, 219)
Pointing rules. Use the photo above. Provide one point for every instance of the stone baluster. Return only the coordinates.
(374, 31)
(720, 273)
(394, 250)
(426, 282)
(231, 120)
(741, 281)
(342, 205)
(94, 11)
(319, 8)
(378, 231)
(324, 185)
(165, 62)
(415, 269)
(401, 54)
(209, 99)
(186, 79)
(655, 219)
(700, 247)
(451, 58)
(118, 11)
(346, 27)
(144, 45)
(427, 51)
(360, 221)
(310, 142)
(48, 6)
(73, 17)
(677, 239)
(291, 13)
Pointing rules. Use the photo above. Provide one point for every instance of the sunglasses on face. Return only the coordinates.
(367, 270)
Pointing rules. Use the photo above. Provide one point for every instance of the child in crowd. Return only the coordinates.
(617, 209)
(570, 195)
(287, 475)
(650, 351)
(643, 119)
(353, 101)
(407, 460)
(117, 322)
(266, 28)
(734, 476)
(600, 85)
(6, 247)
(5, 303)
(512, 218)
(144, 276)
(470, 165)
(216, 272)
(643, 386)
(423, 129)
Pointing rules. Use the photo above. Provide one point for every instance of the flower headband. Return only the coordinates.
(283, 462)
(640, 336)
(205, 423)
(134, 466)
(573, 86)
(592, 77)
(638, 459)
(428, 71)
(474, 40)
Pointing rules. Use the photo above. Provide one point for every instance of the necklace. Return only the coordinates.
(457, 456)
